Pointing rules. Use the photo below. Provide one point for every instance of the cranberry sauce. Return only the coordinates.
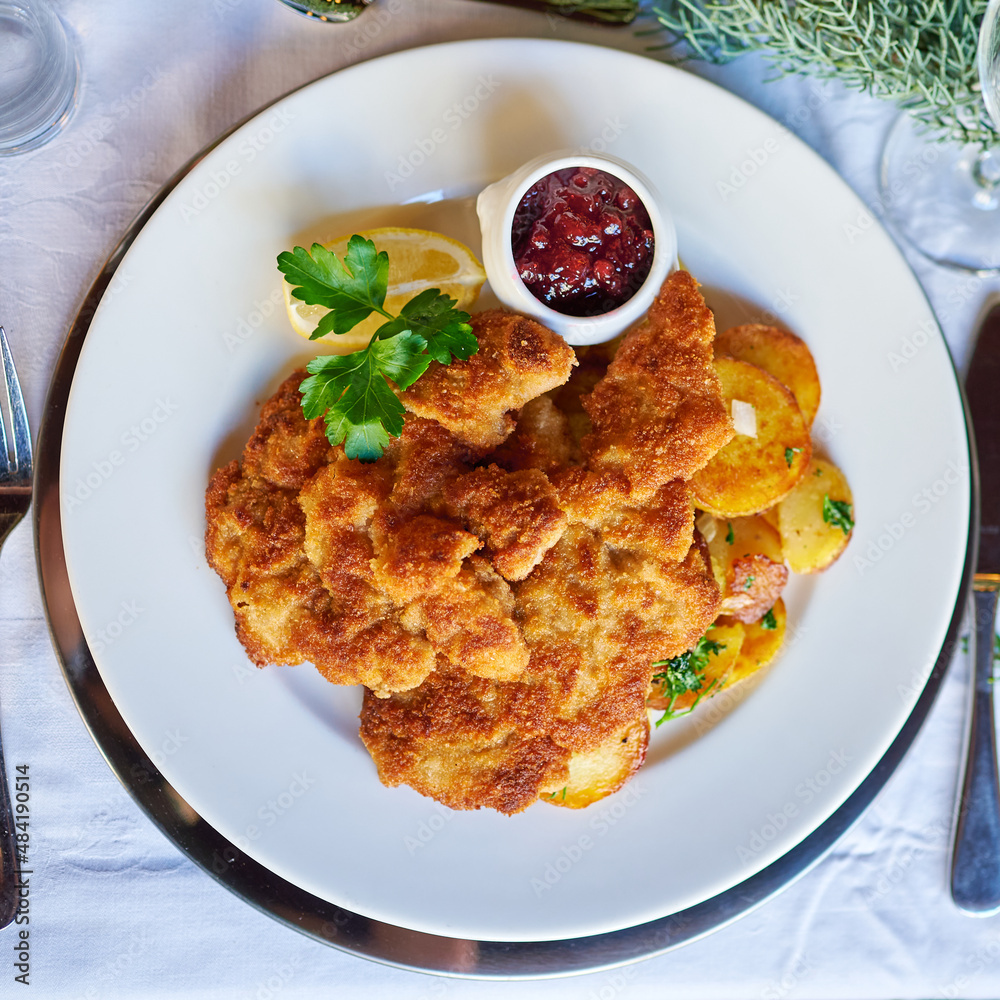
(582, 241)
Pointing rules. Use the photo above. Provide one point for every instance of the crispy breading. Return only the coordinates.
(469, 619)
(477, 399)
(458, 739)
(541, 440)
(658, 414)
(592, 366)
(420, 556)
(662, 527)
(286, 612)
(514, 513)
(285, 448)
(595, 618)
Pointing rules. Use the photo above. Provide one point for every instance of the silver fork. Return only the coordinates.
(15, 499)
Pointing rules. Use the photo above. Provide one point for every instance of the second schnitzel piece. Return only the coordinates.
(658, 414)
(595, 619)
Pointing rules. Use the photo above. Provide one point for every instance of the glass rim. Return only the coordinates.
(988, 60)
(48, 96)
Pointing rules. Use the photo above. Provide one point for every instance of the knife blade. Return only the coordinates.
(975, 872)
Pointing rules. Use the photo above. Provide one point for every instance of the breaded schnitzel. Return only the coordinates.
(658, 414)
(503, 578)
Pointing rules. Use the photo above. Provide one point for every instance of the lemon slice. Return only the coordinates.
(418, 260)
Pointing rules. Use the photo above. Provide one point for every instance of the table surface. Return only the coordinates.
(116, 909)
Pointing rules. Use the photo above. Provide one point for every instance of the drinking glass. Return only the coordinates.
(38, 75)
(943, 197)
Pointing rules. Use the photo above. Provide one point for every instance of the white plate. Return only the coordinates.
(191, 337)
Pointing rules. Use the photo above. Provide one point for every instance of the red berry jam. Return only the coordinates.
(582, 241)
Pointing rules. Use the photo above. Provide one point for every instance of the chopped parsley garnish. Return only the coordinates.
(790, 455)
(748, 582)
(351, 390)
(730, 537)
(837, 513)
(686, 673)
(768, 621)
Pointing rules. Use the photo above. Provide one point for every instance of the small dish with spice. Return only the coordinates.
(580, 242)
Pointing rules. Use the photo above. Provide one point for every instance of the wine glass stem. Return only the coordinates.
(986, 170)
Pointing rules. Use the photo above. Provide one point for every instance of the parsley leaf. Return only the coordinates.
(353, 288)
(748, 582)
(730, 537)
(768, 621)
(445, 329)
(686, 673)
(352, 391)
(790, 455)
(837, 513)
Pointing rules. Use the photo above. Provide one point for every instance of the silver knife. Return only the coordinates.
(975, 867)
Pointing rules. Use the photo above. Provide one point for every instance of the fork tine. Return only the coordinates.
(18, 414)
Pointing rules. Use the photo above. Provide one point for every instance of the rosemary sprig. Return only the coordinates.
(919, 53)
(602, 11)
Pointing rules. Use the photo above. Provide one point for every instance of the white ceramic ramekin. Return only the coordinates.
(496, 206)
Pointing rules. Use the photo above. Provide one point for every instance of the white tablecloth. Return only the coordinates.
(116, 909)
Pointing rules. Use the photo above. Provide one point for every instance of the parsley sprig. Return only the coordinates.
(685, 673)
(351, 390)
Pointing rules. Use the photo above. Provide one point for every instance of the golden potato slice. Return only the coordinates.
(679, 684)
(750, 474)
(771, 516)
(735, 537)
(780, 354)
(761, 641)
(816, 519)
(604, 770)
(748, 565)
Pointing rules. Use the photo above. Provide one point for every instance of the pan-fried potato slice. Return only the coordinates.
(750, 474)
(604, 770)
(761, 641)
(748, 565)
(771, 516)
(735, 537)
(679, 684)
(816, 519)
(780, 354)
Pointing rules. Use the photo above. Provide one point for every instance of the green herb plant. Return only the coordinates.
(351, 391)
(919, 53)
(602, 11)
(686, 673)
